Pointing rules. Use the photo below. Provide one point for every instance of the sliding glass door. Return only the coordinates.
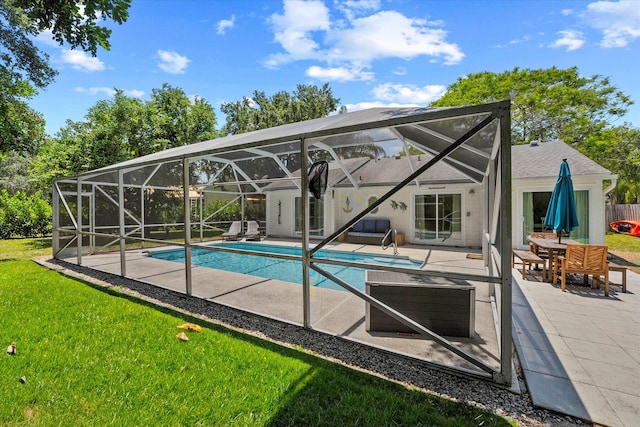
(437, 217)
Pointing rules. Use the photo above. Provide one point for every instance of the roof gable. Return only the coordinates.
(543, 161)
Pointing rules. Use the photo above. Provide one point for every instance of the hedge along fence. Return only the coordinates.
(23, 215)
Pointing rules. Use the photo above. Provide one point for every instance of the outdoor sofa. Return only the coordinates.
(368, 231)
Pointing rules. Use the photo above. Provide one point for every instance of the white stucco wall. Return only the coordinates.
(591, 183)
(337, 212)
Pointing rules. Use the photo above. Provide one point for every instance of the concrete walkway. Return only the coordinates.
(580, 350)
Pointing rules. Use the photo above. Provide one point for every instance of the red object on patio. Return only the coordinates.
(631, 228)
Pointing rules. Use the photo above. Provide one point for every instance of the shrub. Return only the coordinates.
(24, 216)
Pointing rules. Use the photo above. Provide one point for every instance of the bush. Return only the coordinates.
(24, 216)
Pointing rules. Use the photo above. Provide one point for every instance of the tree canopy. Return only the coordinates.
(123, 128)
(24, 68)
(551, 104)
(262, 112)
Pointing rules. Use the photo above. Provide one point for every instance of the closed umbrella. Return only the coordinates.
(561, 213)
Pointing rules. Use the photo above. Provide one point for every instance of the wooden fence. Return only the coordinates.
(621, 212)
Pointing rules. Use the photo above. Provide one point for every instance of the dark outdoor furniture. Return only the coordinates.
(444, 306)
(368, 231)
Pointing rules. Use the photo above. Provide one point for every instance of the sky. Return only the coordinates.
(371, 52)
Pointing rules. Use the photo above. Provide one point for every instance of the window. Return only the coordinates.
(437, 217)
(316, 216)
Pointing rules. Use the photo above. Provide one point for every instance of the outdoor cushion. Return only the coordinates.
(382, 225)
(369, 226)
(358, 226)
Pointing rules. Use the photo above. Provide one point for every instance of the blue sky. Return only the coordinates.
(371, 52)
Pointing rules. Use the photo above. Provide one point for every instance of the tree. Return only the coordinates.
(123, 128)
(24, 68)
(262, 112)
(618, 149)
(14, 173)
(545, 104)
(305, 103)
(179, 120)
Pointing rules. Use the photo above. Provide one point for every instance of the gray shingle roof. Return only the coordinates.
(543, 160)
(391, 170)
(528, 161)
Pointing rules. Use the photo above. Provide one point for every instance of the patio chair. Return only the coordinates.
(252, 231)
(588, 260)
(235, 231)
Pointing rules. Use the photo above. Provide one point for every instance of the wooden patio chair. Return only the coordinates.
(588, 260)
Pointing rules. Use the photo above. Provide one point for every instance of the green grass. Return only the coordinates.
(96, 357)
(622, 242)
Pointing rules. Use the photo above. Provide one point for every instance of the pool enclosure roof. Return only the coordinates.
(432, 130)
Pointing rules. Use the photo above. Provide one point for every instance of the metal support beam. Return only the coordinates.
(505, 249)
(79, 220)
(187, 225)
(306, 255)
(122, 231)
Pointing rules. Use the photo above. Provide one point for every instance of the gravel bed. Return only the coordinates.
(485, 395)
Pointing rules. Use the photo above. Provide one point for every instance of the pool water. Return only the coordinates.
(287, 270)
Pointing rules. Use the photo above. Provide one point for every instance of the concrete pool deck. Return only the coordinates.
(332, 311)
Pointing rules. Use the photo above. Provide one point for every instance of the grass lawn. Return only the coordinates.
(96, 357)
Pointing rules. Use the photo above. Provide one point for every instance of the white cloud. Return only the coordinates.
(390, 34)
(225, 24)
(341, 74)
(135, 93)
(375, 104)
(108, 91)
(46, 37)
(352, 8)
(571, 40)
(293, 30)
(408, 94)
(618, 21)
(400, 71)
(566, 12)
(172, 62)
(305, 32)
(80, 60)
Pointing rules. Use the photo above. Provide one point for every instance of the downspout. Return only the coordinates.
(612, 186)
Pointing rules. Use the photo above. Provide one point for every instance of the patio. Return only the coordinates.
(579, 350)
(335, 312)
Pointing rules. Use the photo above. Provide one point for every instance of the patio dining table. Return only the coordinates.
(554, 249)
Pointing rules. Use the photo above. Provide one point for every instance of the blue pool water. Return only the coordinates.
(287, 270)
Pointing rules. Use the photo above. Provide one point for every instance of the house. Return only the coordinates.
(443, 206)
(535, 169)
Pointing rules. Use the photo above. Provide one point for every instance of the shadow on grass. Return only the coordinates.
(43, 243)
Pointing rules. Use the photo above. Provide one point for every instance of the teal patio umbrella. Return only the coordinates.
(561, 213)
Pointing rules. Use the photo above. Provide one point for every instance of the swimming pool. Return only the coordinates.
(281, 269)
